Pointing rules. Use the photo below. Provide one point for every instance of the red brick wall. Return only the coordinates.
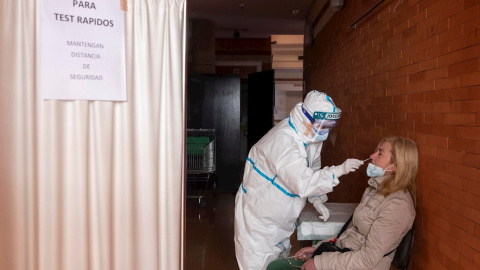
(414, 72)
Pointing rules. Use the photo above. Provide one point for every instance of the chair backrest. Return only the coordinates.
(402, 254)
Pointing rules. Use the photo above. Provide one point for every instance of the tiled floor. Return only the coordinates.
(209, 234)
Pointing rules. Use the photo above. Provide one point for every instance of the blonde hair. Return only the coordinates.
(405, 157)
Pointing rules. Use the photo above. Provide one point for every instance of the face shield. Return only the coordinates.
(322, 123)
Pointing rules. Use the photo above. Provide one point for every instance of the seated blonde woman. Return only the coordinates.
(385, 214)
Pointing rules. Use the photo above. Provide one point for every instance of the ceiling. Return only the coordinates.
(252, 18)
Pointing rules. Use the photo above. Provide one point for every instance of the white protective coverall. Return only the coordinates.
(277, 181)
(315, 163)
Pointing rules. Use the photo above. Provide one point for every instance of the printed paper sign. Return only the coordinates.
(82, 47)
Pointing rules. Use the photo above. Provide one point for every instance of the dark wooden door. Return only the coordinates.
(213, 102)
(261, 102)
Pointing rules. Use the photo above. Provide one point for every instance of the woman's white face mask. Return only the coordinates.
(375, 171)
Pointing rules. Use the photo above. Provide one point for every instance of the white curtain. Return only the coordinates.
(92, 184)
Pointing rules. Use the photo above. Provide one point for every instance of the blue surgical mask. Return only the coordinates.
(375, 171)
(321, 136)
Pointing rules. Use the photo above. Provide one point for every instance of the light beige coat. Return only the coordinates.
(377, 227)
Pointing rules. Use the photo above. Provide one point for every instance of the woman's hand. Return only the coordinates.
(309, 265)
(305, 253)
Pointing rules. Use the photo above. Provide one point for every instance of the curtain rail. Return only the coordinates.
(354, 24)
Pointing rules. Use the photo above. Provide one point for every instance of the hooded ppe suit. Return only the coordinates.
(314, 162)
(277, 181)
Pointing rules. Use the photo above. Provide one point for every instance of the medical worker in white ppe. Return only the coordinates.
(278, 180)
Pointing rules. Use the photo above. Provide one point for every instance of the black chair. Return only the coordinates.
(402, 252)
(404, 249)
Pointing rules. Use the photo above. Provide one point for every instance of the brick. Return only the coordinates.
(445, 154)
(464, 197)
(425, 4)
(432, 262)
(436, 141)
(450, 252)
(471, 26)
(439, 50)
(448, 179)
(470, 240)
(469, 3)
(411, 11)
(469, 133)
(422, 86)
(447, 83)
(424, 128)
(419, 138)
(472, 187)
(471, 79)
(470, 213)
(453, 33)
(462, 248)
(467, 40)
(427, 64)
(399, 99)
(465, 106)
(399, 117)
(426, 150)
(413, 78)
(435, 163)
(457, 219)
(445, 37)
(442, 107)
(472, 160)
(446, 131)
(420, 16)
(451, 232)
(444, 231)
(416, 98)
(452, 259)
(459, 56)
(440, 27)
(463, 171)
(467, 263)
(449, 12)
(392, 125)
(466, 93)
(477, 230)
(433, 74)
(429, 201)
(465, 16)
(401, 27)
(455, 2)
(436, 96)
(410, 32)
(476, 258)
(464, 68)
(434, 7)
(468, 146)
(460, 119)
(435, 118)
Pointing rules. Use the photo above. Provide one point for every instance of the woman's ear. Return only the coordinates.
(393, 167)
